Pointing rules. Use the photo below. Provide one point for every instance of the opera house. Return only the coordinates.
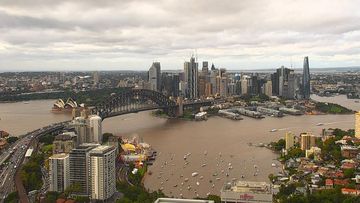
(68, 106)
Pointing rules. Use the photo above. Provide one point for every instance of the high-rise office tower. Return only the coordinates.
(208, 89)
(103, 180)
(191, 78)
(81, 129)
(357, 124)
(95, 129)
(275, 84)
(213, 75)
(205, 68)
(307, 141)
(59, 172)
(289, 140)
(244, 84)
(155, 76)
(223, 86)
(268, 88)
(202, 84)
(79, 161)
(290, 94)
(306, 79)
(96, 77)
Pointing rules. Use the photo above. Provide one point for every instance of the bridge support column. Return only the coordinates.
(180, 109)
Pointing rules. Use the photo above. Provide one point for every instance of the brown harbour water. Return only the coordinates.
(225, 141)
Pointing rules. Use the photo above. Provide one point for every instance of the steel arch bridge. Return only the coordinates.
(133, 101)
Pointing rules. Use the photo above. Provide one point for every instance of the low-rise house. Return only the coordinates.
(341, 182)
(329, 183)
(349, 151)
(348, 165)
(348, 191)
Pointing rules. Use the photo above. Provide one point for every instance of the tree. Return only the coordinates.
(82, 199)
(51, 197)
(106, 137)
(12, 198)
(215, 198)
(11, 140)
(349, 173)
(47, 139)
(279, 145)
(73, 188)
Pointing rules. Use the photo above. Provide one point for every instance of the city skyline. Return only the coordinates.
(236, 35)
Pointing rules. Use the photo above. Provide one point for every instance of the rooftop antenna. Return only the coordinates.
(291, 63)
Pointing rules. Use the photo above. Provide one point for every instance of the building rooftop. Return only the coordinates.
(174, 200)
(59, 156)
(65, 136)
(29, 152)
(247, 186)
(101, 149)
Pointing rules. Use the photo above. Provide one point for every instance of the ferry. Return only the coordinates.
(273, 130)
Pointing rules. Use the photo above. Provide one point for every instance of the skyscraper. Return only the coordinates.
(103, 181)
(95, 129)
(191, 78)
(81, 128)
(357, 124)
(307, 141)
(79, 161)
(59, 172)
(268, 88)
(223, 86)
(289, 140)
(155, 76)
(306, 79)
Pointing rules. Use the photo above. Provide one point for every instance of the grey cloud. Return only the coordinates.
(127, 30)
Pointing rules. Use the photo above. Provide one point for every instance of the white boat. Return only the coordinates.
(203, 165)
(218, 178)
(194, 174)
(273, 130)
(273, 164)
(319, 124)
(197, 183)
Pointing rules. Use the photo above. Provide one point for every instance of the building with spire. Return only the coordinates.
(191, 78)
(306, 79)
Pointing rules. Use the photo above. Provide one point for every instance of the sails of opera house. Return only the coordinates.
(68, 106)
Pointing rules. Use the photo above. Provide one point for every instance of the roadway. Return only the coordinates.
(12, 159)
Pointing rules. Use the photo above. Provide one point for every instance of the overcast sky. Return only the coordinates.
(131, 34)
